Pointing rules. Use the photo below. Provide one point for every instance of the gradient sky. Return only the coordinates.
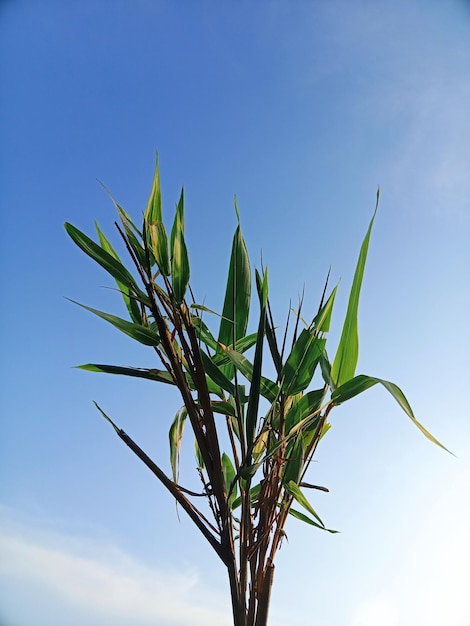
(301, 109)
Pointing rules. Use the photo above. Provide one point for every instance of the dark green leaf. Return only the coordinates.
(255, 387)
(103, 258)
(142, 334)
(300, 366)
(225, 408)
(127, 295)
(160, 376)
(216, 374)
(268, 388)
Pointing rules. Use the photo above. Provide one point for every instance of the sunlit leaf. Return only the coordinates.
(179, 261)
(302, 362)
(344, 364)
(295, 491)
(153, 213)
(175, 436)
(229, 475)
(304, 518)
(361, 383)
(160, 246)
(234, 321)
(307, 405)
(294, 457)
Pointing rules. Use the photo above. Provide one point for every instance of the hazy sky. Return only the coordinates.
(301, 109)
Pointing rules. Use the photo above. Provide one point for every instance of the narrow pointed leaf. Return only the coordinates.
(234, 321)
(128, 298)
(216, 374)
(229, 475)
(268, 388)
(175, 436)
(361, 383)
(160, 246)
(255, 387)
(322, 320)
(294, 455)
(304, 518)
(305, 406)
(160, 376)
(302, 362)
(153, 212)
(345, 362)
(295, 491)
(142, 334)
(103, 258)
(107, 418)
(179, 262)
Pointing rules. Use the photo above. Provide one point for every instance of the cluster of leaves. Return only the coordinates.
(254, 485)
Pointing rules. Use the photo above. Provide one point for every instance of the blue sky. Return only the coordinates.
(301, 109)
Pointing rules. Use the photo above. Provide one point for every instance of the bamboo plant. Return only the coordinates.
(255, 436)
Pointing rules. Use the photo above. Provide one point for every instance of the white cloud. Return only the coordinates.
(106, 582)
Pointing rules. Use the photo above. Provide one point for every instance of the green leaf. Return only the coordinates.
(322, 320)
(153, 212)
(199, 457)
(255, 387)
(234, 321)
(272, 342)
(175, 436)
(128, 298)
(160, 376)
(225, 408)
(179, 262)
(229, 475)
(302, 408)
(300, 366)
(160, 246)
(142, 334)
(361, 383)
(268, 388)
(294, 457)
(103, 258)
(254, 493)
(303, 518)
(294, 491)
(344, 364)
(215, 374)
(108, 419)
